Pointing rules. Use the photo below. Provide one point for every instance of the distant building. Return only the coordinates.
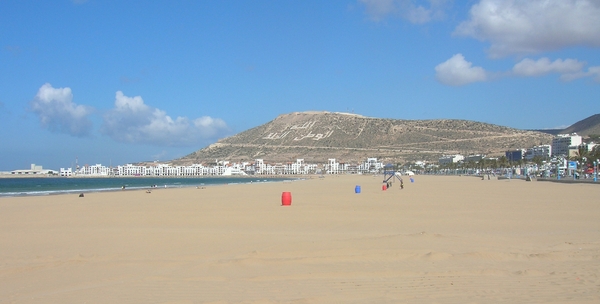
(35, 169)
(562, 142)
(96, 170)
(333, 167)
(574, 150)
(450, 159)
(66, 172)
(515, 155)
(474, 158)
(259, 166)
(543, 151)
(372, 165)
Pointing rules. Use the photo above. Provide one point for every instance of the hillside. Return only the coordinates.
(318, 136)
(586, 127)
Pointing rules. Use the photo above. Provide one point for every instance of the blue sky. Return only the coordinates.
(116, 82)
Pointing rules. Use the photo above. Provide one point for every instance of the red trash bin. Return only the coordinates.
(286, 198)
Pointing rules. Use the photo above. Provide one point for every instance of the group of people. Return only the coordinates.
(389, 183)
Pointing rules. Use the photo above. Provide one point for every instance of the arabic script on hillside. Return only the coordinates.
(304, 127)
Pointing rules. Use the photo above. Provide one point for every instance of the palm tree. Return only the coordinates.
(503, 162)
(482, 163)
(493, 163)
(581, 153)
(584, 157)
(595, 153)
(538, 160)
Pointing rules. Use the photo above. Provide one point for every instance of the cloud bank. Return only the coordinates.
(457, 71)
(542, 66)
(533, 26)
(593, 72)
(132, 121)
(569, 69)
(522, 27)
(57, 112)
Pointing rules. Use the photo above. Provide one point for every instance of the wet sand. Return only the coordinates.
(439, 240)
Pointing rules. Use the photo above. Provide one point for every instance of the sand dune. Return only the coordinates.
(439, 240)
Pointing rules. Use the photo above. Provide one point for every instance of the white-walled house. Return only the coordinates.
(450, 159)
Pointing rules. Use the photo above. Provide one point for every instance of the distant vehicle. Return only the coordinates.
(589, 171)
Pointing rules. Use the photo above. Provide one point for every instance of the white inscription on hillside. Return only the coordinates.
(305, 126)
(317, 136)
(276, 135)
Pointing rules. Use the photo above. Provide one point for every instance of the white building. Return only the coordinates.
(474, 158)
(562, 142)
(450, 159)
(259, 167)
(66, 172)
(300, 167)
(35, 169)
(574, 150)
(95, 170)
(233, 170)
(372, 165)
(333, 167)
(543, 151)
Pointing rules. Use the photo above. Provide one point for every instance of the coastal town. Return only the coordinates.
(566, 155)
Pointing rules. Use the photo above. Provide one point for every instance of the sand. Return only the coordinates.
(439, 240)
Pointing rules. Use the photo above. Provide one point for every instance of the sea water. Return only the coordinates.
(24, 186)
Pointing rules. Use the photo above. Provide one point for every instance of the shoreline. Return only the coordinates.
(134, 183)
(151, 176)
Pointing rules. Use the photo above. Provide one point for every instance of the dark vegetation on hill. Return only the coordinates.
(318, 136)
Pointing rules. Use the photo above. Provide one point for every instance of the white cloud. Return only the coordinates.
(407, 9)
(542, 66)
(593, 72)
(58, 113)
(132, 121)
(456, 71)
(533, 26)
(570, 69)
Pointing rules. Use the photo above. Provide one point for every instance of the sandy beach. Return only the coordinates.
(439, 240)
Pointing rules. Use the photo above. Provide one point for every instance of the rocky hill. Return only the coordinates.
(318, 136)
(589, 127)
(586, 127)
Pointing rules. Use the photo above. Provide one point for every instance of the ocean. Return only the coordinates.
(24, 186)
